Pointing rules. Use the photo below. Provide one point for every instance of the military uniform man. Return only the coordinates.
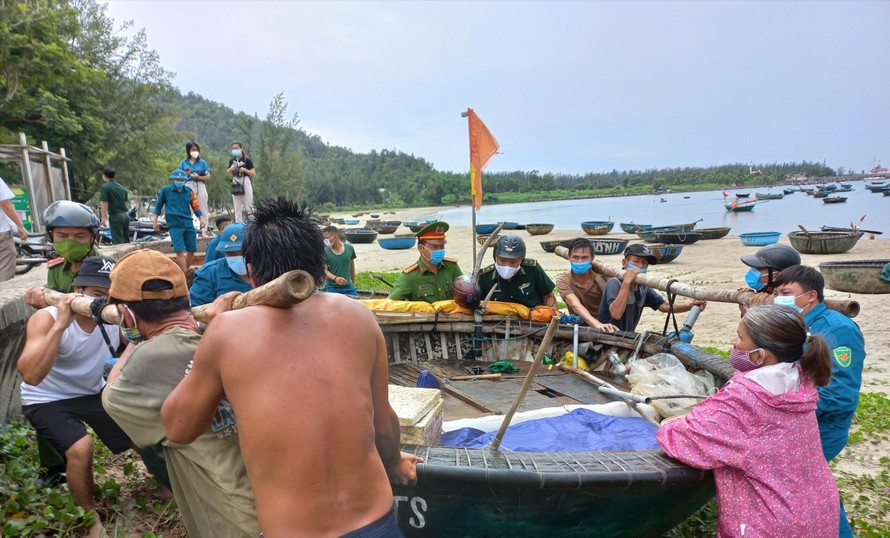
(431, 277)
(518, 279)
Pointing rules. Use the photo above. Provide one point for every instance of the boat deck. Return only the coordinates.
(478, 397)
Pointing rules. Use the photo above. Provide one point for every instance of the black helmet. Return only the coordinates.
(68, 213)
(510, 246)
(775, 256)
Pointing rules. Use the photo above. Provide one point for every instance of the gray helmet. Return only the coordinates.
(775, 256)
(510, 246)
(68, 213)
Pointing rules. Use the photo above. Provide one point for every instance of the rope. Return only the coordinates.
(96, 313)
(672, 296)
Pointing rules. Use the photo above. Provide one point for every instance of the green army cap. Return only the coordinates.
(433, 230)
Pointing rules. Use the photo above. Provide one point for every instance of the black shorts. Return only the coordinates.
(61, 422)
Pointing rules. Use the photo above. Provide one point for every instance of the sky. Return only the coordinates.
(568, 87)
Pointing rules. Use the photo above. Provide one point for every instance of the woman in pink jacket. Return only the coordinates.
(759, 432)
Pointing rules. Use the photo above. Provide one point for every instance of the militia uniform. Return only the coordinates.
(528, 286)
(418, 283)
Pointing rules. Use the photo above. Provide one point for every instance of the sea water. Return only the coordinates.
(679, 208)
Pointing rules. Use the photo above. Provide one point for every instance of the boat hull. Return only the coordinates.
(631, 228)
(360, 235)
(666, 253)
(739, 208)
(397, 243)
(538, 229)
(681, 238)
(759, 239)
(713, 233)
(597, 227)
(605, 247)
(855, 276)
(824, 242)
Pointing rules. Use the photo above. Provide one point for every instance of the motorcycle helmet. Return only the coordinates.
(510, 246)
(68, 213)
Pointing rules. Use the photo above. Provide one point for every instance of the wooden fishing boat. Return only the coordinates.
(768, 196)
(550, 246)
(713, 233)
(375, 215)
(845, 188)
(666, 253)
(482, 491)
(399, 242)
(605, 247)
(538, 229)
(597, 227)
(678, 238)
(759, 239)
(650, 235)
(834, 200)
(360, 235)
(878, 187)
(742, 194)
(824, 242)
(739, 207)
(486, 229)
(788, 191)
(821, 194)
(631, 228)
(855, 276)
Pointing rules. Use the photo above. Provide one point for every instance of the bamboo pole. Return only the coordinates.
(847, 307)
(542, 349)
(285, 291)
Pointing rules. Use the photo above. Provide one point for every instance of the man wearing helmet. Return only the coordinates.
(430, 278)
(178, 202)
(765, 265)
(73, 229)
(518, 279)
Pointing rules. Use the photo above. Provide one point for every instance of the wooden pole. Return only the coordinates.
(285, 291)
(847, 307)
(539, 356)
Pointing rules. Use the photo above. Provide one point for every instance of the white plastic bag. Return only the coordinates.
(663, 374)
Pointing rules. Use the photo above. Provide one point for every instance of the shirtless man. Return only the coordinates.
(317, 433)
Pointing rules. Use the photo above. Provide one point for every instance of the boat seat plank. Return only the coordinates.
(574, 388)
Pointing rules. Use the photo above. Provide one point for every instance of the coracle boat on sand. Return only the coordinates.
(856, 276)
(487, 492)
(824, 242)
(713, 233)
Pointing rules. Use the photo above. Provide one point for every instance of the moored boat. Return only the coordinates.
(597, 227)
(481, 238)
(740, 206)
(631, 228)
(768, 196)
(399, 242)
(824, 242)
(713, 233)
(360, 235)
(855, 276)
(742, 194)
(550, 246)
(473, 491)
(350, 222)
(666, 253)
(486, 229)
(510, 225)
(788, 191)
(678, 238)
(834, 200)
(759, 239)
(538, 229)
(605, 247)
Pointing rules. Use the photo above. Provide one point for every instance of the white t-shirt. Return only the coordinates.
(6, 225)
(79, 364)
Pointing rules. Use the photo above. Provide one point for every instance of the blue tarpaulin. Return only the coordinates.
(579, 430)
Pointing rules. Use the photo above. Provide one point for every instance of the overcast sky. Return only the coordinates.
(564, 86)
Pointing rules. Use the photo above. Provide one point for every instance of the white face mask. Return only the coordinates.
(194, 154)
(327, 243)
(505, 271)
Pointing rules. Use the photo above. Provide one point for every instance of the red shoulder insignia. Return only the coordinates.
(410, 268)
(55, 261)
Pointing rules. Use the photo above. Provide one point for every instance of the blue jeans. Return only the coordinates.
(343, 290)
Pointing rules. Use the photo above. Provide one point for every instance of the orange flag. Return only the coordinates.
(483, 146)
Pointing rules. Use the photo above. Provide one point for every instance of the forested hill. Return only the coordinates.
(70, 77)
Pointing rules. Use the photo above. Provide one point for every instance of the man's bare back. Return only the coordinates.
(309, 389)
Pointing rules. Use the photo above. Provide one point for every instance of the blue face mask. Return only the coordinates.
(641, 269)
(236, 153)
(579, 268)
(179, 184)
(787, 300)
(237, 264)
(752, 279)
(436, 256)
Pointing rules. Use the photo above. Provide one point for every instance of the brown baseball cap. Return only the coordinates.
(137, 268)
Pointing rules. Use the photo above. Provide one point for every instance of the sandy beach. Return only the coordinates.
(706, 263)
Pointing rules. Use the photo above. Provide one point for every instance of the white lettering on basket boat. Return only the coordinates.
(418, 508)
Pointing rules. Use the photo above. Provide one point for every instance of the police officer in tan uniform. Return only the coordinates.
(431, 277)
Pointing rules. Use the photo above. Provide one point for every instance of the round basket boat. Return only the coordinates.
(538, 229)
(511, 225)
(605, 247)
(383, 228)
(666, 253)
(550, 246)
(360, 235)
(712, 233)
(482, 238)
(597, 227)
(415, 226)
(823, 242)
(350, 221)
(759, 239)
(486, 229)
(855, 276)
(631, 228)
(678, 238)
(399, 242)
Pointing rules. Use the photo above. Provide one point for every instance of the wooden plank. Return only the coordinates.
(574, 388)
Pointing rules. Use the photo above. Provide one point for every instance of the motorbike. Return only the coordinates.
(140, 230)
(31, 252)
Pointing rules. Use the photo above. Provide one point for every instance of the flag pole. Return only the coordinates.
(466, 114)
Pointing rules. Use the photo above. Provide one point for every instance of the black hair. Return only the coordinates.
(189, 146)
(108, 172)
(330, 230)
(157, 310)
(282, 236)
(808, 277)
(580, 242)
(783, 331)
(243, 151)
(221, 219)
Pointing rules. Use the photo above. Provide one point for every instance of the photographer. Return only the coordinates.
(241, 168)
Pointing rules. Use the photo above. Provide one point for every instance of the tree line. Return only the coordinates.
(70, 76)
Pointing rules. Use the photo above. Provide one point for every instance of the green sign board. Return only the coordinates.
(20, 204)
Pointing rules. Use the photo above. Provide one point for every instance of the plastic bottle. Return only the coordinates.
(617, 364)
